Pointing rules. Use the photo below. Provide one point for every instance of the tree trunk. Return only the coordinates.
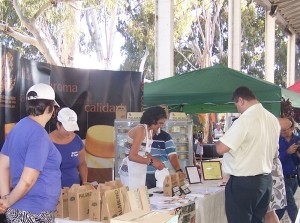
(70, 37)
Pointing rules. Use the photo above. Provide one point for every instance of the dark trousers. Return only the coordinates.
(247, 198)
(150, 181)
(2, 218)
(291, 185)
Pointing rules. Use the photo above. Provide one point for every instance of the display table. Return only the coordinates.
(209, 198)
(205, 204)
(184, 207)
(66, 220)
(210, 201)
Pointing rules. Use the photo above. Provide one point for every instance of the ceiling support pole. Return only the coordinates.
(269, 47)
(164, 39)
(291, 51)
(234, 34)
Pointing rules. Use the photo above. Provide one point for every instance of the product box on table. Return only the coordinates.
(121, 112)
(141, 216)
(78, 201)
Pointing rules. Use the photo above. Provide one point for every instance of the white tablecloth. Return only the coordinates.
(66, 220)
(210, 202)
(208, 196)
(183, 207)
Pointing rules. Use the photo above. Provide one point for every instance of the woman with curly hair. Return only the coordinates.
(134, 166)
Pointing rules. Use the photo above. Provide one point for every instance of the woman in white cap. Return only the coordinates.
(73, 167)
(29, 163)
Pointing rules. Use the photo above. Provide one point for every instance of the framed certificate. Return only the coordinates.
(211, 170)
(193, 174)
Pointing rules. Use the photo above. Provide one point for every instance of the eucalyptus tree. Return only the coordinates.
(194, 30)
(54, 31)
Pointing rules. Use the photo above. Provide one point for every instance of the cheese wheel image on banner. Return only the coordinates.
(99, 141)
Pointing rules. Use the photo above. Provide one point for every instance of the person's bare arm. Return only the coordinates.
(221, 148)
(28, 179)
(137, 135)
(174, 162)
(5, 175)
(83, 171)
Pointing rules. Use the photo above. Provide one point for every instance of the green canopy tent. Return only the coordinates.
(210, 90)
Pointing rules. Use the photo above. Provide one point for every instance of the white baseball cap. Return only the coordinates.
(42, 91)
(68, 118)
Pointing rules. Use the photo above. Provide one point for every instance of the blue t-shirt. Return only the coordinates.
(162, 147)
(28, 145)
(289, 162)
(70, 161)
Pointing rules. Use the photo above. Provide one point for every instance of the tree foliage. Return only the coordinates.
(191, 19)
(52, 30)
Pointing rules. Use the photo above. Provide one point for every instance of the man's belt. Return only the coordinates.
(290, 176)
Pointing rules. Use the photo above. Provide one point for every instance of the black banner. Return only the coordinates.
(92, 94)
(9, 89)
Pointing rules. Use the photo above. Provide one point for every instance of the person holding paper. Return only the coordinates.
(164, 149)
(218, 131)
(134, 166)
(30, 162)
(73, 167)
(289, 156)
(249, 147)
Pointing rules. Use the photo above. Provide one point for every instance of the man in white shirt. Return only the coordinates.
(249, 147)
(218, 132)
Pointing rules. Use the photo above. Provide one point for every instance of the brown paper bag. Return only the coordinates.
(118, 183)
(78, 201)
(104, 210)
(144, 196)
(62, 210)
(126, 205)
(134, 200)
(112, 184)
(175, 184)
(167, 186)
(95, 206)
(175, 179)
(181, 178)
(112, 199)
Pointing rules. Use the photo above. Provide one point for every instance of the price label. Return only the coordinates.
(178, 116)
(175, 129)
(134, 115)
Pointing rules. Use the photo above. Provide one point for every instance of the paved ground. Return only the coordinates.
(286, 218)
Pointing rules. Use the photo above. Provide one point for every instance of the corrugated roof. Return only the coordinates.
(286, 12)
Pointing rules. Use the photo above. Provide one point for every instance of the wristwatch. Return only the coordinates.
(150, 162)
(5, 196)
(179, 170)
